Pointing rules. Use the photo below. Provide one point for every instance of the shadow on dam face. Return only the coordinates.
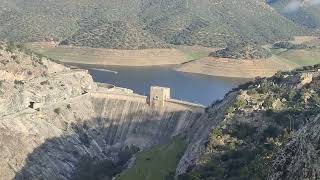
(100, 138)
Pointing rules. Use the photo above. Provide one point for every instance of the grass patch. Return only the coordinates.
(157, 163)
(195, 54)
(192, 56)
(302, 57)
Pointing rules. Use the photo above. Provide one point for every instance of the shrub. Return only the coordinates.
(46, 82)
(243, 130)
(289, 45)
(264, 87)
(230, 110)
(57, 110)
(14, 57)
(213, 136)
(240, 103)
(11, 47)
(272, 132)
(18, 82)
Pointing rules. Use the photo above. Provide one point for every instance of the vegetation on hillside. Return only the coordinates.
(152, 22)
(264, 118)
(289, 45)
(242, 51)
(114, 35)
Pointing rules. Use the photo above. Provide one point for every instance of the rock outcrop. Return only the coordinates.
(299, 159)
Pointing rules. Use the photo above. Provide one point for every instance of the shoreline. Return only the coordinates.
(113, 57)
(230, 68)
(191, 59)
(107, 68)
(214, 67)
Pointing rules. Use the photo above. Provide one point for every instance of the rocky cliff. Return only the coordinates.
(270, 132)
(300, 157)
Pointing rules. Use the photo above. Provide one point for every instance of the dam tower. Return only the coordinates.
(158, 95)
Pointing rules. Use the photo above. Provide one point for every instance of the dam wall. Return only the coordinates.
(49, 143)
(55, 117)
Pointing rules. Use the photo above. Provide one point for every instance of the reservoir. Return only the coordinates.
(195, 88)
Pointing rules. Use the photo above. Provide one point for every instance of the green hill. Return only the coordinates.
(114, 34)
(153, 22)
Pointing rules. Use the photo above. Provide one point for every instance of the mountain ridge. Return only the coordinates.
(179, 22)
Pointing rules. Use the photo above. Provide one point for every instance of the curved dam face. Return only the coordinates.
(52, 117)
(47, 144)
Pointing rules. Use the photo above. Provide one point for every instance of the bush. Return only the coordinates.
(57, 110)
(240, 104)
(46, 82)
(243, 130)
(271, 132)
(11, 47)
(230, 110)
(289, 45)
(18, 82)
(264, 87)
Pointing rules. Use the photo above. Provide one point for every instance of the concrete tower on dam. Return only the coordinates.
(158, 95)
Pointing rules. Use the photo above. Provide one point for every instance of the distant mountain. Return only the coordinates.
(303, 12)
(211, 23)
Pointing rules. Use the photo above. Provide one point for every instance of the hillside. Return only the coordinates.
(114, 35)
(305, 13)
(271, 131)
(152, 22)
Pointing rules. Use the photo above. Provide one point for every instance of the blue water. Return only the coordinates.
(195, 88)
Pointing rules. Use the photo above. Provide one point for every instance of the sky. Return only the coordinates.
(295, 5)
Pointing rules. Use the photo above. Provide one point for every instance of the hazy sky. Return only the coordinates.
(294, 5)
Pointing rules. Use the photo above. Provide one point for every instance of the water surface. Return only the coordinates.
(195, 88)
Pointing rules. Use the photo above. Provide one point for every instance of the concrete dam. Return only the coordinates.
(46, 139)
